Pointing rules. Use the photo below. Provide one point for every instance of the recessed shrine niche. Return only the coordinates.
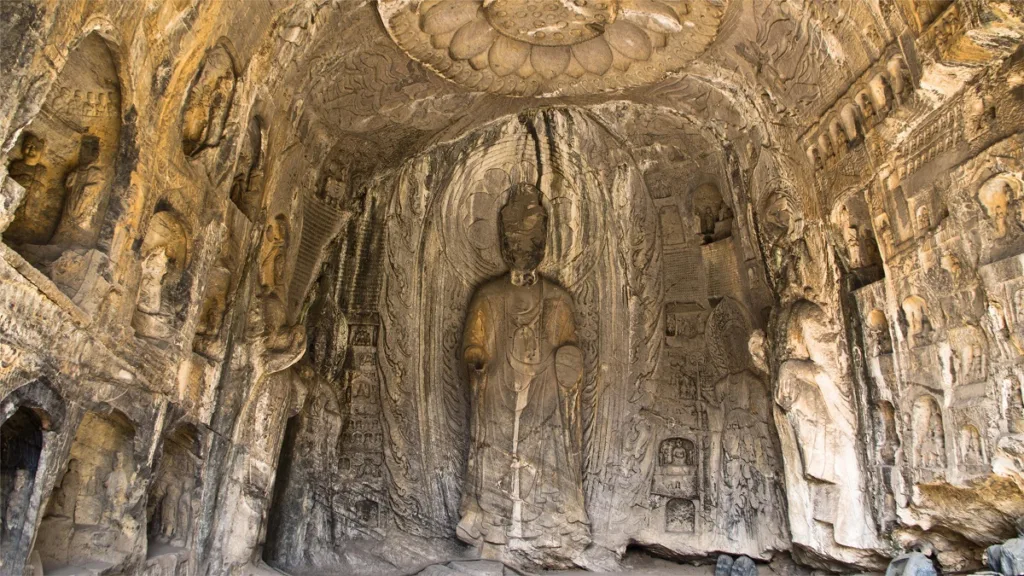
(247, 185)
(65, 160)
(677, 449)
(208, 103)
(21, 449)
(174, 491)
(89, 518)
(163, 259)
(855, 238)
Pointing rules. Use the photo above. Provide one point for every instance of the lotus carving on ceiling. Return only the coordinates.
(553, 47)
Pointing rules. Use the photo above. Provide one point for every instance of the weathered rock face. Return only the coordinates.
(356, 287)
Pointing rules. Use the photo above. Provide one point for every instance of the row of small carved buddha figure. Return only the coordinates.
(850, 118)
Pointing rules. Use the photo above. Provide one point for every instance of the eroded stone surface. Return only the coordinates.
(247, 248)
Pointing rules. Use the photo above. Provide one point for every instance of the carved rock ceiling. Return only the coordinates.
(356, 78)
(363, 286)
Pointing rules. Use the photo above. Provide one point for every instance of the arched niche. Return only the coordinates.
(21, 448)
(916, 320)
(928, 433)
(855, 236)
(221, 281)
(65, 157)
(247, 186)
(208, 102)
(880, 341)
(31, 419)
(86, 519)
(174, 492)
(163, 258)
(713, 214)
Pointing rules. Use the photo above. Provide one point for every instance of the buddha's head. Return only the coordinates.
(32, 148)
(523, 226)
(88, 150)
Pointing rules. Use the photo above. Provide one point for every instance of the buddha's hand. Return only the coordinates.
(475, 358)
(569, 365)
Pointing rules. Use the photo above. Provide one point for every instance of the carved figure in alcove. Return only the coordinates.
(919, 327)
(211, 315)
(929, 441)
(951, 264)
(878, 325)
(163, 253)
(924, 219)
(972, 453)
(714, 216)
(208, 103)
(998, 328)
(851, 238)
(970, 362)
(996, 196)
(30, 172)
(523, 493)
(284, 343)
(886, 234)
(247, 184)
(84, 187)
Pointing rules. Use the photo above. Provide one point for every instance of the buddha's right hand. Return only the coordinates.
(475, 358)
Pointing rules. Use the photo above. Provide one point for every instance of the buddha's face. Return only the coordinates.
(524, 227)
(31, 149)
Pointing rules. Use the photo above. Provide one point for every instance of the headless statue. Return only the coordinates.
(523, 498)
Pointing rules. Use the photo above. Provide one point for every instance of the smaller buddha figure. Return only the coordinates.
(30, 172)
(84, 193)
(163, 255)
(851, 238)
(208, 103)
(284, 343)
(149, 318)
(995, 197)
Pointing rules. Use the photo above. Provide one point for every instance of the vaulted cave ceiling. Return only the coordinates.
(264, 264)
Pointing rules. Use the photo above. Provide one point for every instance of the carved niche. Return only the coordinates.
(221, 282)
(675, 474)
(541, 47)
(66, 160)
(928, 434)
(162, 260)
(208, 102)
(425, 297)
(713, 214)
(247, 185)
(283, 341)
(851, 221)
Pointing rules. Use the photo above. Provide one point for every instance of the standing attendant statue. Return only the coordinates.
(79, 223)
(522, 502)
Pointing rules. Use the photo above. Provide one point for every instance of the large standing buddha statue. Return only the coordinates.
(523, 497)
